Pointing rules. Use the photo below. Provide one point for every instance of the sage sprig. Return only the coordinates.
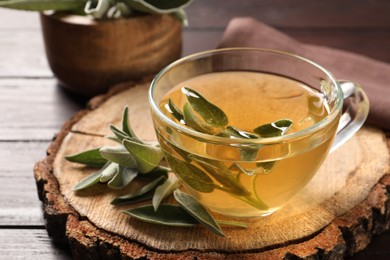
(134, 158)
(122, 163)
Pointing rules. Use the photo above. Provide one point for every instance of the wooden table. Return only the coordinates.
(33, 107)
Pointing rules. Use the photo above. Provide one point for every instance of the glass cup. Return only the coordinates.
(212, 168)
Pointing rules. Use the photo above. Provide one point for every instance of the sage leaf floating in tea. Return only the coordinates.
(147, 156)
(91, 158)
(164, 190)
(191, 175)
(167, 214)
(233, 131)
(175, 111)
(210, 113)
(198, 211)
(222, 174)
(277, 128)
(193, 121)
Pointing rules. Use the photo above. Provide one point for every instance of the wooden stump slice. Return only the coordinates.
(343, 206)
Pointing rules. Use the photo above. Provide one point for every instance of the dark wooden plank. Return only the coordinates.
(293, 13)
(29, 244)
(18, 196)
(33, 109)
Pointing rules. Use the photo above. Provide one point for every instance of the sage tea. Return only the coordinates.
(258, 176)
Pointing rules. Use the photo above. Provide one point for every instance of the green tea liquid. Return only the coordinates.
(249, 100)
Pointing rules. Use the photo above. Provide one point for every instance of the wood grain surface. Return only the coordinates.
(358, 26)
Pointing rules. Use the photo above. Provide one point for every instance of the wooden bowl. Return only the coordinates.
(88, 56)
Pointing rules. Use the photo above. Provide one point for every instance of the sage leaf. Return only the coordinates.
(91, 158)
(277, 128)
(230, 223)
(164, 190)
(167, 214)
(210, 113)
(233, 131)
(222, 174)
(157, 6)
(198, 211)
(174, 110)
(123, 177)
(125, 124)
(87, 182)
(155, 173)
(42, 5)
(108, 172)
(134, 196)
(191, 175)
(193, 121)
(148, 157)
(267, 166)
(119, 155)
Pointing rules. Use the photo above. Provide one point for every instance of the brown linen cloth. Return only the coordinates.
(374, 76)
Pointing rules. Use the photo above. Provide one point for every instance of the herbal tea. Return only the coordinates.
(254, 179)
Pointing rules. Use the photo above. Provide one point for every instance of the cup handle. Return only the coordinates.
(354, 115)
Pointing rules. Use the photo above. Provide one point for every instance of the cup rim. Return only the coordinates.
(239, 141)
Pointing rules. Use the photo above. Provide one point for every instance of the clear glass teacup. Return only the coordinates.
(285, 114)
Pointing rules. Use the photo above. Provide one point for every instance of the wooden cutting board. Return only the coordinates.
(344, 205)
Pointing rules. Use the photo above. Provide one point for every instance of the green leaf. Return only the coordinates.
(123, 178)
(98, 9)
(157, 6)
(222, 174)
(233, 131)
(167, 214)
(164, 190)
(267, 166)
(174, 110)
(87, 182)
(119, 155)
(42, 5)
(191, 175)
(210, 113)
(193, 121)
(108, 172)
(198, 211)
(125, 124)
(121, 135)
(134, 196)
(277, 128)
(148, 157)
(91, 158)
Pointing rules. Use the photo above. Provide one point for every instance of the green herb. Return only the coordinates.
(109, 172)
(167, 214)
(222, 174)
(119, 155)
(193, 121)
(125, 124)
(210, 113)
(174, 110)
(123, 177)
(164, 190)
(91, 158)
(191, 175)
(147, 156)
(89, 181)
(277, 128)
(198, 211)
(139, 194)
